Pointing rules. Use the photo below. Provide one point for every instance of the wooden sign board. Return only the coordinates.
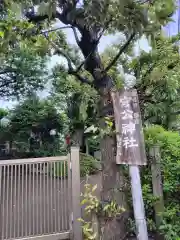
(129, 133)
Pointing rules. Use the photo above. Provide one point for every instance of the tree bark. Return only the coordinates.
(77, 137)
(112, 188)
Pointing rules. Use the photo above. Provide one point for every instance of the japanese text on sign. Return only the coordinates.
(130, 141)
(128, 128)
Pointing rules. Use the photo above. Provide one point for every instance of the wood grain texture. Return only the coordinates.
(129, 133)
(157, 183)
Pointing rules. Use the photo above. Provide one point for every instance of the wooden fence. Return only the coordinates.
(40, 198)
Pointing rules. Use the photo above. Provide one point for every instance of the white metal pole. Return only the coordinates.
(138, 204)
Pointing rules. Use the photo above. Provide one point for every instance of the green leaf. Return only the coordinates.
(1, 34)
(94, 188)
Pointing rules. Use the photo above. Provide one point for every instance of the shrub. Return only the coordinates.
(169, 142)
(88, 165)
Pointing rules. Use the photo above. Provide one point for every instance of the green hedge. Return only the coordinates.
(170, 167)
(88, 166)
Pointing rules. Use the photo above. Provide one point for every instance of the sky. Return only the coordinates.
(174, 27)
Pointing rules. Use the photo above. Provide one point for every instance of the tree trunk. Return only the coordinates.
(112, 175)
(87, 146)
(77, 137)
(112, 188)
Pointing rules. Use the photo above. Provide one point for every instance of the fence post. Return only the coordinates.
(76, 193)
(70, 194)
(1, 169)
(157, 182)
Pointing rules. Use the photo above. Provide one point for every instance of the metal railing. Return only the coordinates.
(35, 198)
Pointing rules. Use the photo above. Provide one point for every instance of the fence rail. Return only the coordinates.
(57, 236)
(33, 160)
(35, 198)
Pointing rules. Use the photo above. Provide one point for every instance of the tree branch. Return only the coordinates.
(70, 67)
(176, 113)
(35, 18)
(58, 50)
(92, 51)
(80, 78)
(5, 83)
(32, 17)
(145, 1)
(55, 29)
(75, 35)
(7, 70)
(122, 49)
